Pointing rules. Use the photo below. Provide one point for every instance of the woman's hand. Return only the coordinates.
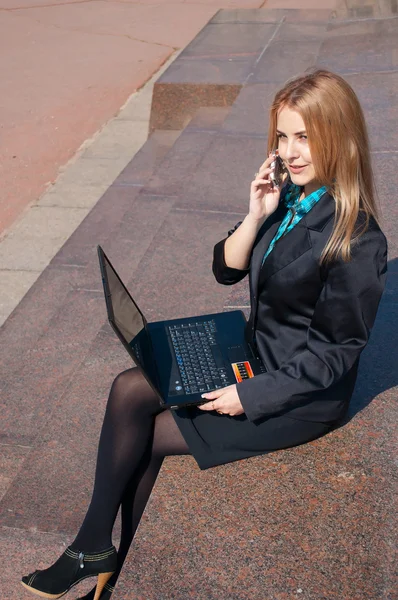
(225, 401)
(264, 195)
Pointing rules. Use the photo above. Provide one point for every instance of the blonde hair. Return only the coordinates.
(339, 147)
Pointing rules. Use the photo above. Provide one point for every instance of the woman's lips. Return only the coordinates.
(296, 170)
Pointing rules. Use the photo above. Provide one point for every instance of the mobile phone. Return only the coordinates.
(279, 174)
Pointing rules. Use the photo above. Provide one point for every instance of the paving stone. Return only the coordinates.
(361, 46)
(209, 72)
(288, 537)
(32, 243)
(15, 284)
(93, 171)
(314, 511)
(148, 158)
(283, 60)
(177, 170)
(376, 92)
(249, 113)
(70, 194)
(11, 461)
(182, 271)
(350, 9)
(227, 40)
(118, 138)
(221, 181)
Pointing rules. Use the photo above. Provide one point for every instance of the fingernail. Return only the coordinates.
(203, 396)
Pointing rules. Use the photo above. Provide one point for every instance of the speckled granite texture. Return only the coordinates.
(317, 522)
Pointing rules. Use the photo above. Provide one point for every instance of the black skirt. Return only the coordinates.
(215, 439)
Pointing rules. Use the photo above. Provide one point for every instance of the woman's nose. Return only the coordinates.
(291, 150)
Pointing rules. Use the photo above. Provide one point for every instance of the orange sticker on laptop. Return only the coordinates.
(242, 370)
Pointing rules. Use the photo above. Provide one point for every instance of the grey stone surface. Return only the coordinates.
(119, 138)
(43, 230)
(314, 522)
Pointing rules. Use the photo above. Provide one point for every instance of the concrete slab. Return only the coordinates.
(93, 171)
(377, 92)
(107, 51)
(31, 245)
(283, 60)
(29, 548)
(118, 139)
(361, 46)
(57, 109)
(249, 114)
(314, 511)
(11, 460)
(71, 194)
(17, 283)
(273, 15)
(287, 542)
(182, 271)
(148, 160)
(367, 9)
(221, 181)
(302, 4)
(210, 71)
(136, 21)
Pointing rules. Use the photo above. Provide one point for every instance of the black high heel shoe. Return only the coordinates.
(106, 593)
(71, 568)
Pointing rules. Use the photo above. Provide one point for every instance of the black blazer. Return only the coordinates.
(310, 324)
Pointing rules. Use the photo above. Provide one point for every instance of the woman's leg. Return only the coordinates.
(125, 456)
(167, 441)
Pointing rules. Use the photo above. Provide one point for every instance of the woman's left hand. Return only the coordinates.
(225, 401)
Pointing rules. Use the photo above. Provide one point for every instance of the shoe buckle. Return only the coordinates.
(81, 560)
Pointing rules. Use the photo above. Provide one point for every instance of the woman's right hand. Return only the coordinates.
(264, 195)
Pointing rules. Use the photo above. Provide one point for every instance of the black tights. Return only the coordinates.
(136, 435)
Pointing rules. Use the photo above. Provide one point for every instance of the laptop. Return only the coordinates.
(181, 358)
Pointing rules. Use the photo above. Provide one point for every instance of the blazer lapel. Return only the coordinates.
(287, 249)
(264, 238)
(297, 241)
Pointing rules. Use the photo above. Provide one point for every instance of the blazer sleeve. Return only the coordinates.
(224, 274)
(339, 330)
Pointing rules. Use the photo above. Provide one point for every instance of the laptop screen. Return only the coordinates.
(127, 320)
(124, 311)
(126, 315)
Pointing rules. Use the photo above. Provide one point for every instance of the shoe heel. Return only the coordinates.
(103, 579)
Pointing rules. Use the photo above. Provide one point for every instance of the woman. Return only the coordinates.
(316, 259)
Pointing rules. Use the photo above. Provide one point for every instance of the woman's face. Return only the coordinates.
(294, 149)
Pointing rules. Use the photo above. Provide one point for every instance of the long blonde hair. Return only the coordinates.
(339, 147)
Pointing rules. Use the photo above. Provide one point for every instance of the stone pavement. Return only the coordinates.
(314, 522)
(66, 68)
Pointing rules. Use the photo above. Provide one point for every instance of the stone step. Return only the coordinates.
(278, 526)
(62, 319)
(52, 331)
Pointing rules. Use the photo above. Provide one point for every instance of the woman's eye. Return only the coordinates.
(303, 137)
(280, 135)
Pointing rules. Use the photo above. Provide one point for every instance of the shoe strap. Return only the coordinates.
(90, 557)
(109, 587)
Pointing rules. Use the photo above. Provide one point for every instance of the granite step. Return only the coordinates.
(229, 52)
(52, 330)
(62, 319)
(281, 526)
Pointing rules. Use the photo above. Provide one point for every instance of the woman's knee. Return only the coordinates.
(130, 390)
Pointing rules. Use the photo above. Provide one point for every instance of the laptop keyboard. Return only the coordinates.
(199, 359)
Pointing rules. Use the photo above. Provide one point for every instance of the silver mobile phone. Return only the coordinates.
(278, 176)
